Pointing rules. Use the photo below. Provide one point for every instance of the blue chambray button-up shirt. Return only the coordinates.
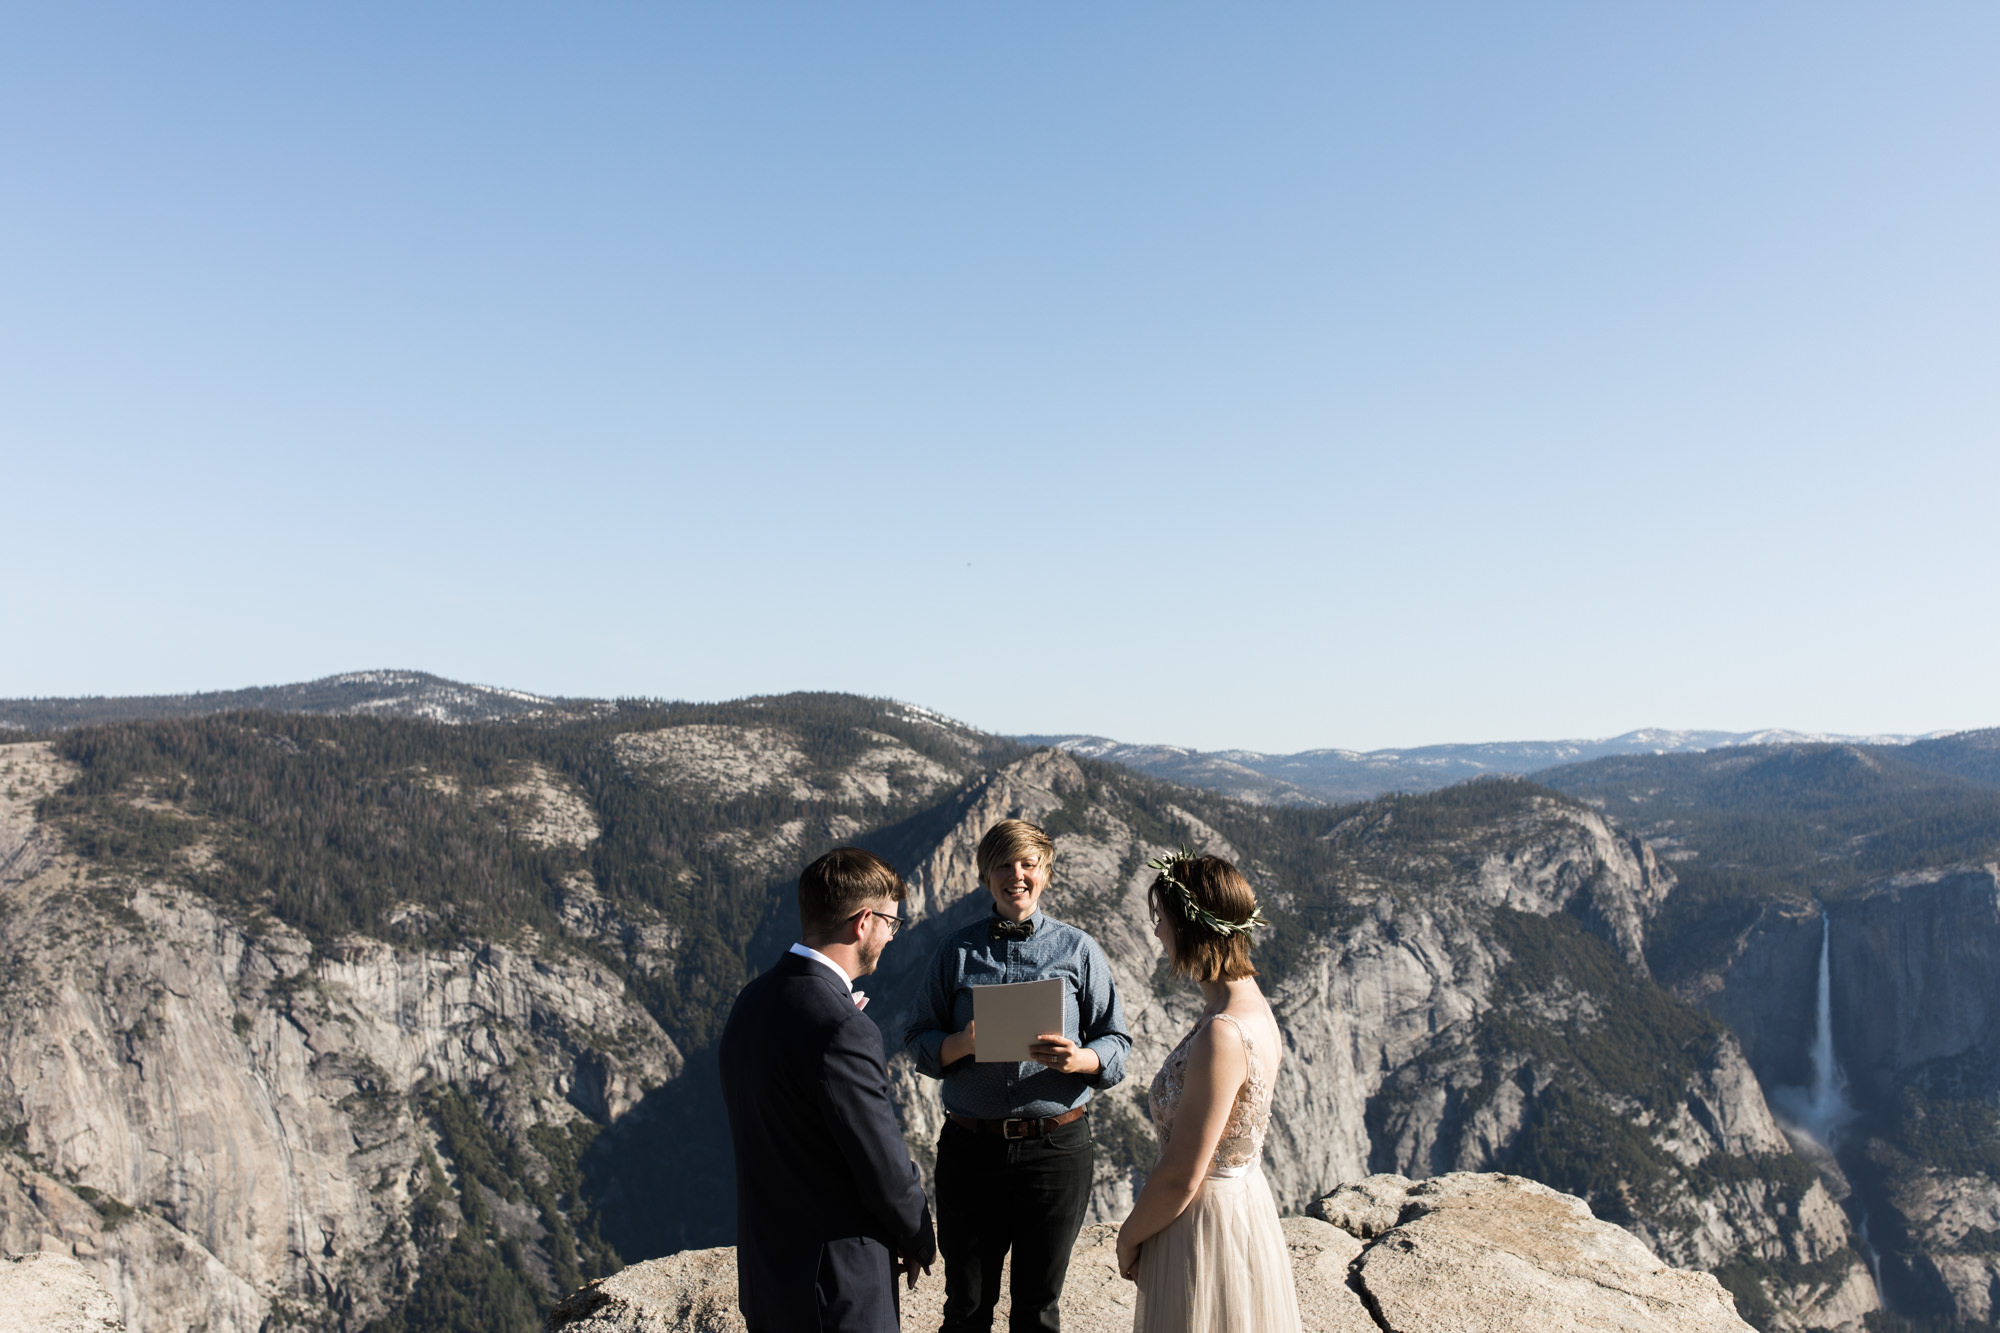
(1091, 1017)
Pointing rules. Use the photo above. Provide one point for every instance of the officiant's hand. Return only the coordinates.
(1054, 1051)
(957, 1046)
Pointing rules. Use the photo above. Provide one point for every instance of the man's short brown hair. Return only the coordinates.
(1219, 887)
(1010, 840)
(841, 883)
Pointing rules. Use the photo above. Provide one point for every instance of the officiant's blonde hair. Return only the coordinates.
(1010, 840)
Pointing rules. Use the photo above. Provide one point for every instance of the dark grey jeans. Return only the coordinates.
(995, 1194)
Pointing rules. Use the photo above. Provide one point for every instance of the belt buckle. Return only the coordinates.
(1008, 1128)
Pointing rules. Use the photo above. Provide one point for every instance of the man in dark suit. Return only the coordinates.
(829, 1208)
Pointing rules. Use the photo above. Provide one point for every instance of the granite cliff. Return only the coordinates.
(1839, 913)
(235, 1127)
(1472, 997)
(1914, 1019)
(377, 1024)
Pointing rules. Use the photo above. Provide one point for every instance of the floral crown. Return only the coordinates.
(1168, 867)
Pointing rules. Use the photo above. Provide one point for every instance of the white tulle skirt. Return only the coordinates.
(1221, 1266)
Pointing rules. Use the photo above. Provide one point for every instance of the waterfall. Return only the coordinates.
(1828, 1104)
(1814, 1116)
(1821, 1110)
(1873, 1256)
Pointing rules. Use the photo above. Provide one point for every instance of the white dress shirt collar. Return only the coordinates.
(846, 982)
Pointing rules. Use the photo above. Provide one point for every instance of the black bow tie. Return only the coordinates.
(999, 928)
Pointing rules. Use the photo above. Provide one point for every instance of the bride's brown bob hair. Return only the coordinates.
(1218, 887)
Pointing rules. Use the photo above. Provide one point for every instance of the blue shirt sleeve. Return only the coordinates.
(1102, 1020)
(924, 1041)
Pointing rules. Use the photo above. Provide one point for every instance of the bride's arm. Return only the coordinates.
(1216, 1068)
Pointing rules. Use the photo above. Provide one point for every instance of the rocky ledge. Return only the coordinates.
(53, 1293)
(1462, 1253)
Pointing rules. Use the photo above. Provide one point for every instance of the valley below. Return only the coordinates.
(319, 1020)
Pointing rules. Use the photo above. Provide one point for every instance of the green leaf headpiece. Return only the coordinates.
(1169, 868)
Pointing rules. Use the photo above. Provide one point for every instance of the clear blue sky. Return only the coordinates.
(1281, 375)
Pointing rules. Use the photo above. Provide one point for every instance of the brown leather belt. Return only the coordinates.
(1017, 1129)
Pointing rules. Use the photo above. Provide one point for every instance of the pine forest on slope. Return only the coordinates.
(368, 693)
(1308, 777)
(654, 846)
(1881, 861)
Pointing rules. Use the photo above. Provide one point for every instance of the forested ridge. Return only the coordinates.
(342, 824)
(433, 836)
(1754, 828)
(420, 833)
(415, 832)
(1796, 822)
(397, 693)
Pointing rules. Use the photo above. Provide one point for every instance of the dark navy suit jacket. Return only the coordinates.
(826, 1194)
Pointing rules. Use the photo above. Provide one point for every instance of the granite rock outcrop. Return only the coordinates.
(49, 1292)
(1399, 1060)
(1914, 998)
(222, 1120)
(1464, 1253)
(232, 1119)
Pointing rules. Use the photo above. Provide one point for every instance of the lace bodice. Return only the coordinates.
(1242, 1144)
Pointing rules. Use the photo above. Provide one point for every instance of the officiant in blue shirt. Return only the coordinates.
(1014, 1160)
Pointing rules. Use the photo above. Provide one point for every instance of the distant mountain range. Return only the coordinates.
(413, 694)
(438, 1004)
(421, 1018)
(1317, 777)
(1309, 777)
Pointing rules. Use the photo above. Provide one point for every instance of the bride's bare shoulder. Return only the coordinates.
(1260, 1022)
(1214, 1037)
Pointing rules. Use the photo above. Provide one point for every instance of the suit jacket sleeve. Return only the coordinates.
(855, 1085)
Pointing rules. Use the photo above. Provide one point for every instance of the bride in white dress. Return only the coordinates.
(1203, 1240)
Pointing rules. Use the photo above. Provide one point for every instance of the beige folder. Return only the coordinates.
(1011, 1016)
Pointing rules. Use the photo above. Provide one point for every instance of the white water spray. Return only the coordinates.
(1814, 1116)
(1822, 1110)
(1873, 1256)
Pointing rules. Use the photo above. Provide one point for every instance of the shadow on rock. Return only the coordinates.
(662, 1179)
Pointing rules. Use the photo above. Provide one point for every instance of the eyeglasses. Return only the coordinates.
(895, 922)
